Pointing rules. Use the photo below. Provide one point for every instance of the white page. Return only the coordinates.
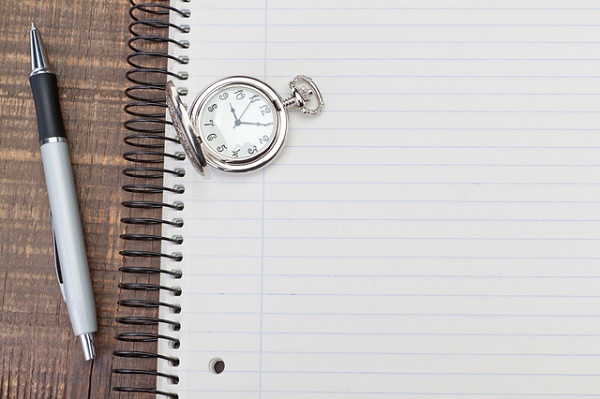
(432, 234)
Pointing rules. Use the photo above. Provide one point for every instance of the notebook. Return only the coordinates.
(433, 233)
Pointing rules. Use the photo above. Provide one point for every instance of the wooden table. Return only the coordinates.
(86, 46)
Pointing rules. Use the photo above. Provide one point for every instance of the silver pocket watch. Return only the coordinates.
(238, 124)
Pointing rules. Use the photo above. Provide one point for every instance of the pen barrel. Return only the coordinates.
(45, 96)
(70, 246)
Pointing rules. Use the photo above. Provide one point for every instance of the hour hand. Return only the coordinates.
(237, 120)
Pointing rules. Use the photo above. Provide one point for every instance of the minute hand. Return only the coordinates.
(256, 123)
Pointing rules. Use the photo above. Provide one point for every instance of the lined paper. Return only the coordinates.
(433, 233)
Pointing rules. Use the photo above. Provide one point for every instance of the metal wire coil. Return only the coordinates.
(146, 108)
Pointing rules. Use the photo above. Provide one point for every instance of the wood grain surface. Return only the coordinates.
(86, 46)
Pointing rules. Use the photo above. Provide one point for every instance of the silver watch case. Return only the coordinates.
(187, 127)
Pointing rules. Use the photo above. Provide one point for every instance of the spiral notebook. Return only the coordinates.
(434, 233)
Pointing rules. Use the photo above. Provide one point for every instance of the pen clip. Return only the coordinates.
(57, 262)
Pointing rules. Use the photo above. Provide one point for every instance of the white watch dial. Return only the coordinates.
(237, 123)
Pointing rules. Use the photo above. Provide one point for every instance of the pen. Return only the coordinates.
(69, 248)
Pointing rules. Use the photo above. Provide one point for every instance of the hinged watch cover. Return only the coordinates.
(184, 128)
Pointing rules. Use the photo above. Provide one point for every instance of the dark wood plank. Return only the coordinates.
(86, 45)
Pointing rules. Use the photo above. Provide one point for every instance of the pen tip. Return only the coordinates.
(87, 341)
(33, 26)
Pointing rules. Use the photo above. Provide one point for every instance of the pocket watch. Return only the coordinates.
(238, 124)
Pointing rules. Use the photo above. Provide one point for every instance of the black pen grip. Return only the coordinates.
(45, 96)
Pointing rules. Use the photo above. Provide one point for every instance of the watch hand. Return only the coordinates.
(256, 123)
(233, 111)
(252, 99)
(237, 120)
(246, 109)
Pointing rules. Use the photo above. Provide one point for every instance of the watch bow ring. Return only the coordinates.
(238, 124)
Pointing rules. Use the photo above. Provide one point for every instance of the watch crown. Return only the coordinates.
(303, 94)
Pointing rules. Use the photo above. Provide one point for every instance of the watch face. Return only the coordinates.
(237, 122)
(240, 124)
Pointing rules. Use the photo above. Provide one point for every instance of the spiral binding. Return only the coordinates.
(148, 74)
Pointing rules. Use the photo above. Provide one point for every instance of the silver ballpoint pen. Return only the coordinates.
(69, 248)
